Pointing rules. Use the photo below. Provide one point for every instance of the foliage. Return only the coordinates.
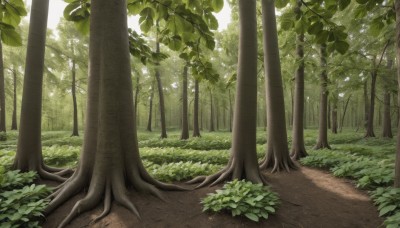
(61, 155)
(180, 171)
(11, 12)
(254, 201)
(21, 206)
(388, 202)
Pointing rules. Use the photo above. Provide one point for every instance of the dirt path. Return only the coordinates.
(310, 198)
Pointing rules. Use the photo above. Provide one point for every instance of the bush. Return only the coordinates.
(179, 171)
(254, 201)
(387, 200)
(21, 207)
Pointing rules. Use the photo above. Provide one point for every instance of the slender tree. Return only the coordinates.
(277, 155)
(243, 161)
(29, 147)
(397, 43)
(298, 148)
(185, 121)
(160, 92)
(196, 128)
(387, 121)
(335, 101)
(150, 108)
(75, 131)
(14, 125)
(212, 128)
(2, 93)
(323, 121)
(110, 159)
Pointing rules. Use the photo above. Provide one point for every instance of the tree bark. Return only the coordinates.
(73, 89)
(298, 148)
(243, 160)
(196, 129)
(29, 147)
(397, 167)
(185, 121)
(277, 155)
(346, 105)
(387, 122)
(2, 95)
(150, 108)
(329, 114)
(366, 104)
(160, 95)
(230, 111)
(323, 122)
(137, 91)
(335, 113)
(370, 123)
(212, 128)
(110, 161)
(14, 125)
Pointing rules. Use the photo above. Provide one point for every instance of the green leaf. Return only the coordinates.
(343, 4)
(11, 38)
(362, 1)
(315, 28)
(386, 210)
(281, 3)
(217, 5)
(252, 217)
(341, 46)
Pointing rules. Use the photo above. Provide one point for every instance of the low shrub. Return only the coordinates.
(254, 201)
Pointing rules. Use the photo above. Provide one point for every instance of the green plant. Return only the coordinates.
(254, 201)
(387, 200)
(180, 170)
(393, 221)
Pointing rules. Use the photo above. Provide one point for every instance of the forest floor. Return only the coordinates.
(309, 198)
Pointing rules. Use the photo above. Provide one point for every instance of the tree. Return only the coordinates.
(150, 108)
(323, 118)
(110, 156)
(196, 128)
(14, 125)
(185, 121)
(243, 160)
(387, 121)
(29, 148)
(277, 155)
(298, 149)
(397, 44)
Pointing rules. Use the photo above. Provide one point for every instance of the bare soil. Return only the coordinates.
(310, 198)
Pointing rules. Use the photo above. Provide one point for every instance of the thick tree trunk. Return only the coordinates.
(298, 149)
(397, 168)
(370, 123)
(29, 147)
(277, 155)
(110, 161)
(73, 89)
(196, 129)
(185, 121)
(212, 128)
(2, 95)
(14, 125)
(323, 122)
(161, 96)
(150, 108)
(387, 122)
(243, 161)
(366, 104)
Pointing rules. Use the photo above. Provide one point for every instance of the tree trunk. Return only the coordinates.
(298, 149)
(137, 92)
(277, 155)
(335, 116)
(196, 129)
(150, 108)
(329, 114)
(397, 168)
(14, 125)
(370, 123)
(344, 112)
(230, 111)
(110, 161)
(160, 95)
(73, 89)
(323, 125)
(212, 128)
(366, 104)
(387, 122)
(243, 160)
(185, 121)
(29, 147)
(2, 95)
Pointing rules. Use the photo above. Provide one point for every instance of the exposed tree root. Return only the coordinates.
(277, 163)
(234, 170)
(298, 153)
(322, 145)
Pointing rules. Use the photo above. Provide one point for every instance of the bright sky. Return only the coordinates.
(57, 8)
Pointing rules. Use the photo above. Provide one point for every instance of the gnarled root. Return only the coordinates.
(277, 164)
(298, 153)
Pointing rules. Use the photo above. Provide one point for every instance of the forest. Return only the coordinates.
(208, 113)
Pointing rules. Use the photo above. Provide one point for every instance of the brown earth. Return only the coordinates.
(310, 198)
